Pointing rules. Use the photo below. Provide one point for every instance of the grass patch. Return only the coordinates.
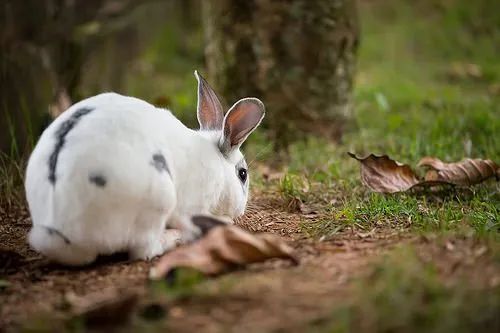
(433, 213)
(11, 180)
(180, 282)
(403, 293)
(293, 187)
(406, 104)
(463, 212)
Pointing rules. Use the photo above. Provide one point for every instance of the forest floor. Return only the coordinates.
(356, 280)
(407, 262)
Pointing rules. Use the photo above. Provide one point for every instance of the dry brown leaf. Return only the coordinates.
(461, 71)
(382, 174)
(494, 89)
(464, 173)
(103, 308)
(221, 249)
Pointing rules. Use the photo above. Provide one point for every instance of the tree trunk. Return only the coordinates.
(298, 56)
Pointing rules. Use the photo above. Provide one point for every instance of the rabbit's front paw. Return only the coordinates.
(190, 234)
(189, 231)
(171, 238)
(167, 241)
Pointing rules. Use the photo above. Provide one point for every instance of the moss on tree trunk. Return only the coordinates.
(297, 56)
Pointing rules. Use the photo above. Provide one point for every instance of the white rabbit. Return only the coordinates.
(112, 172)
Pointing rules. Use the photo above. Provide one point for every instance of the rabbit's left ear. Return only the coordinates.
(210, 113)
(241, 120)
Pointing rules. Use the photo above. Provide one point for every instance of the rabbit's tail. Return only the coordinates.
(56, 246)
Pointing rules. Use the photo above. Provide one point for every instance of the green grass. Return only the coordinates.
(180, 283)
(406, 105)
(404, 293)
(476, 212)
(11, 180)
(428, 213)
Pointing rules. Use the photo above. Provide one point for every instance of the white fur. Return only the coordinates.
(117, 141)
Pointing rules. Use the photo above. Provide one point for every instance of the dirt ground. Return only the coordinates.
(274, 296)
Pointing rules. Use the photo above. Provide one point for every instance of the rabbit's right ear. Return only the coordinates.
(241, 120)
(209, 110)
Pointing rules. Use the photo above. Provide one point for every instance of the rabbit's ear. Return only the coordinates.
(243, 117)
(210, 113)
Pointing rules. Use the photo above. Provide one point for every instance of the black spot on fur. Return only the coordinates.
(205, 223)
(52, 231)
(160, 163)
(98, 180)
(61, 133)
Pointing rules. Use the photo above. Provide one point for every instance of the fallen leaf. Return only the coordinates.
(177, 312)
(464, 173)
(363, 235)
(450, 246)
(382, 174)
(221, 249)
(103, 308)
(306, 210)
(480, 251)
(461, 71)
(494, 89)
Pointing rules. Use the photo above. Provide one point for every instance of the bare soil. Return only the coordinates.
(273, 296)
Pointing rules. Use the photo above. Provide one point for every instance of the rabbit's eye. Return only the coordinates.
(242, 174)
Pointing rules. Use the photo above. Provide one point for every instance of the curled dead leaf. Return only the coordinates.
(221, 249)
(107, 307)
(382, 174)
(464, 173)
(461, 71)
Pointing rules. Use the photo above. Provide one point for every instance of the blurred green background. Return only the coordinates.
(427, 76)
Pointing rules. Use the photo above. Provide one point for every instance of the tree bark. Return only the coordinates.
(298, 56)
